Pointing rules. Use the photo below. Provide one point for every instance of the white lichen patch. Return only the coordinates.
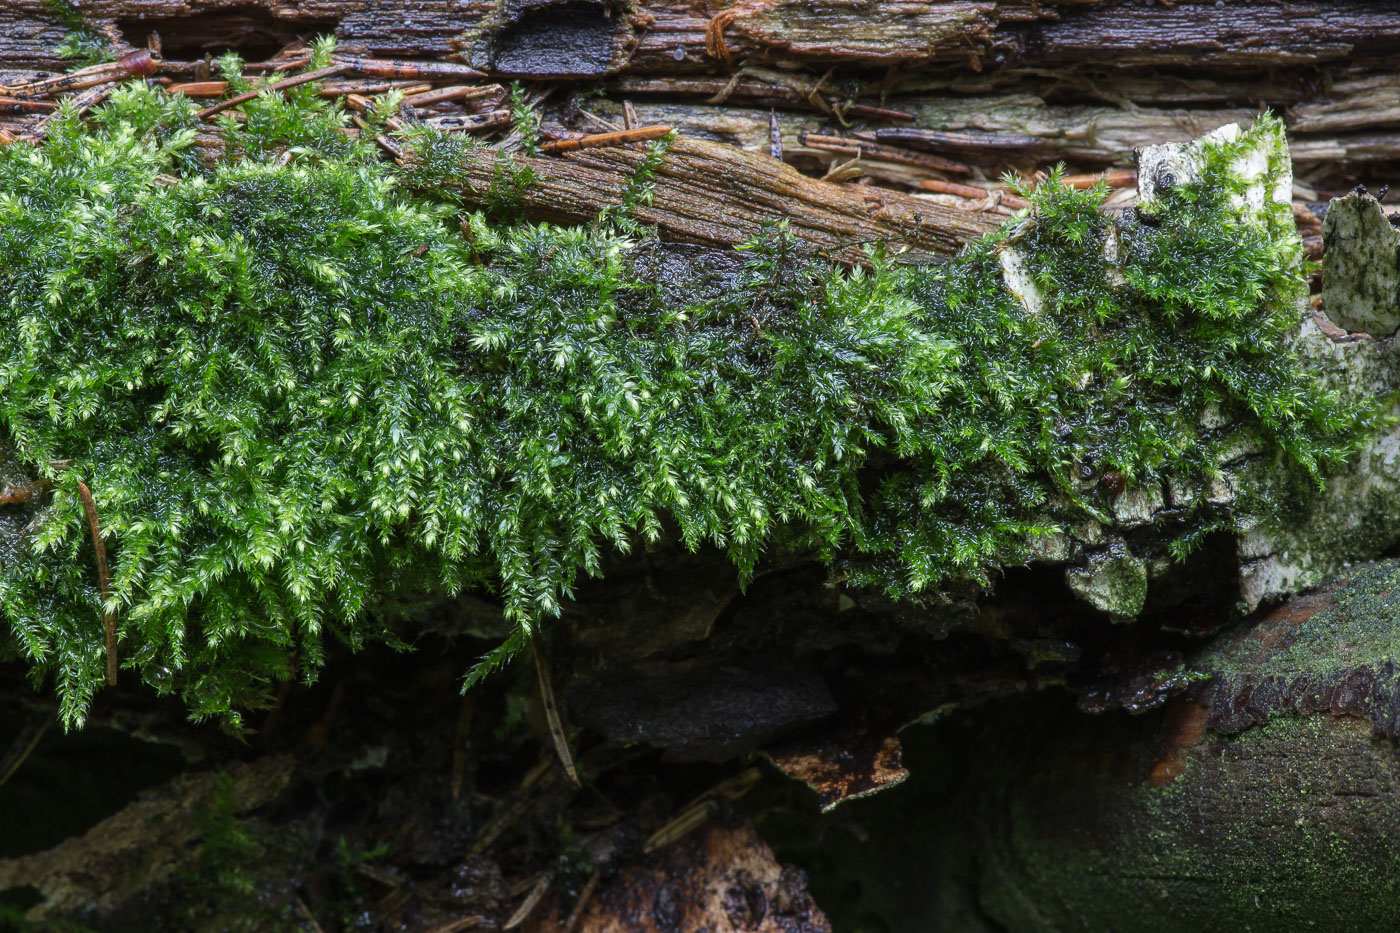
(1018, 279)
(1361, 266)
(1136, 506)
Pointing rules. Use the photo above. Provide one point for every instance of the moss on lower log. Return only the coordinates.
(1163, 823)
(1289, 826)
(304, 388)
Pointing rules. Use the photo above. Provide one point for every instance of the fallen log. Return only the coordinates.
(671, 36)
(1268, 800)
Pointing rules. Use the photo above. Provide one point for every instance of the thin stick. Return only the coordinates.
(320, 73)
(200, 88)
(972, 191)
(361, 104)
(18, 105)
(306, 914)
(456, 92)
(606, 126)
(104, 579)
(551, 713)
(385, 143)
(395, 68)
(882, 152)
(338, 88)
(619, 138)
(23, 745)
(1124, 178)
(136, 64)
(81, 104)
(583, 897)
(532, 900)
(942, 139)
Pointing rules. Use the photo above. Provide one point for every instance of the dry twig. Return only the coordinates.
(551, 713)
(320, 73)
(599, 140)
(104, 579)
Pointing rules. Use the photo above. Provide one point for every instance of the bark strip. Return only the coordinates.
(718, 195)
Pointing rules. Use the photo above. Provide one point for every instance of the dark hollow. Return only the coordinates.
(559, 39)
(251, 31)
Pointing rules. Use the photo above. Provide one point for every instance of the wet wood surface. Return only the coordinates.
(715, 194)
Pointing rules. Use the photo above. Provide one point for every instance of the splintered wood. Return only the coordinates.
(711, 193)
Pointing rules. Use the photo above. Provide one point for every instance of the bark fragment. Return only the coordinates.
(715, 194)
(1361, 266)
(845, 765)
(722, 878)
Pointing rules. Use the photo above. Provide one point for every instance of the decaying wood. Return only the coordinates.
(1361, 282)
(1007, 84)
(139, 846)
(936, 97)
(711, 193)
(725, 879)
(664, 36)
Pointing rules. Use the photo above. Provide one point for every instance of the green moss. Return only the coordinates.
(300, 394)
(1288, 826)
(1358, 627)
(82, 44)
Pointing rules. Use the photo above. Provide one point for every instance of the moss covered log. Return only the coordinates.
(1267, 802)
(306, 387)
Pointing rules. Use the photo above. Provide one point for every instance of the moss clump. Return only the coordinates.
(299, 393)
(82, 44)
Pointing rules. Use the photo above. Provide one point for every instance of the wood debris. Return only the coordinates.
(716, 194)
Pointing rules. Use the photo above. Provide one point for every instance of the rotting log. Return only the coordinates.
(1085, 81)
(1270, 800)
(1328, 772)
(595, 38)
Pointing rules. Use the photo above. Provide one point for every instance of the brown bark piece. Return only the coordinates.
(722, 879)
(844, 764)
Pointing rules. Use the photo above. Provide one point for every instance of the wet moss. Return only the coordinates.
(304, 387)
